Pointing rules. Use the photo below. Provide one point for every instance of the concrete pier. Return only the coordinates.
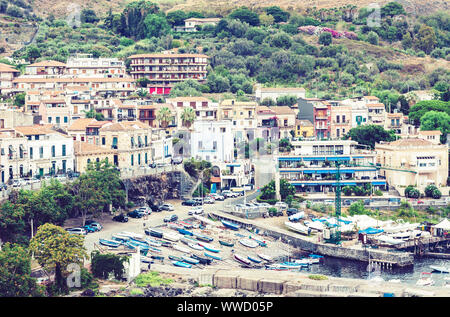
(354, 252)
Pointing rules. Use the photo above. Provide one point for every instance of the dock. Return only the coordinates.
(384, 257)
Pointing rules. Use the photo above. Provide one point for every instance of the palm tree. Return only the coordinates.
(164, 116)
(188, 116)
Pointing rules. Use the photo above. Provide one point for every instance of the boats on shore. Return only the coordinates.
(154, 232)
(254, 258)
(265, 257)
(230, 225)
(209, 247)
(175, 225)
(249, 243)
(182, 264)
(109, 243)
(120, 238)
(260, 242)
(186, 224)
(284, 267)
(227, 243)
(153, 243)
(298, 227)
(175, 258)
(132, 235)
(203, 237)
(185, 232)
(425, 280)
(201, 259)
(195, 246)
(188, 239)
(440, 269)
(181, 249)
(172, 236)
(189, 260)
(212, 256)
(242, 260)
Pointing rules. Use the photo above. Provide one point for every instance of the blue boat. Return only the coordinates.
(119, 237)
(209, 248)
(213, 256)
(254, 259)
(230, 225)
(154, 232)
(261, 243)
(185, 232)
(153, 249)
(203, 237)
(315, 256)
(182, 264)
(139, 242)
(109, 243)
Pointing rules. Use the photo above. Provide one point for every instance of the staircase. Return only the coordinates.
(186, 184)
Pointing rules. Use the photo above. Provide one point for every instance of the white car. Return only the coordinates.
(209, 200)
(145, 210)
(77, 231)
(281, 205)
(167, 206)
(198, 210)
(217, 196)
(228, 193)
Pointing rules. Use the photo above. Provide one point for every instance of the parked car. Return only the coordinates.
(217, 196)
(135, 214)
(77, 231)
(281, 205)
(120, 218)
(197, 210)
(189, 202)
(177, 160)
(229, 194)
(155, 208)
(89, 228)
(167, 206)
(152, 165)
(160, 165)
(3, 186)
(145, 210)
(171, 218)
(96, 226)
(291, 211)
(209, 200)
(347, 202)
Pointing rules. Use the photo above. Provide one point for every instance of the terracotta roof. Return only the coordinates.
(371, 97)
(410, 142)
(80, 124)
(38, 129)
(85, 148)
(432, 132)
(264, 109)
(304, 123)
(125, 126)
(375, 105)
(47, 63)
(159, 55)
(181, 99)
(280, 110)
(5, 68)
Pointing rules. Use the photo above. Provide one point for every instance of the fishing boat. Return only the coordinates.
(201, 259)
(132, 234)
(298, 227)
(440, 269)
(153, 243)
(425, 280)
(119, 237)
(254, 258)
(157, 257)
(213, 256)
(181, 249)
(185, 232)
(260, 242)
(315, 225)
(249, 243)
(146, 259)
(230, 225)
(182, 264)
(296, 264)
(187, 240)
(109, 243)
(203, 237)
(265, 257)
(315, 258)
(242, 260)
(153, 249)
(209, 247)
(189, 260)
(175, 258)
(226, 243)
(172, 236)
(175, 225)
(158, 233)
(282, 267)
(139, 242)
(195, 246)
(186, 224)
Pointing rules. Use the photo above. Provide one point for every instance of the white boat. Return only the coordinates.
(297, 227)
(389, 240)
(172, 236)
(425, 280)
(181, 249)
(195, 246)
(315, 225)
(249, 243)
(441, 269)
(132, 234)
(242, 260)
(153, 243)
(265, 257)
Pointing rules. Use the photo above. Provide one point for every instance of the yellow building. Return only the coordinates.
(87, 152)
(423, 162)
(304, 129)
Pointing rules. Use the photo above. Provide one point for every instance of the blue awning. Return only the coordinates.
(306, 184)
(314, 159)
(343, 158)
(233, 165)
(379, 183)
(289, 159)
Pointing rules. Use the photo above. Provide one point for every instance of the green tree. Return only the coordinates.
(426, 39)
(417, 111)
(32, 53)
(54, 249)
(188, 116)
(88, 16)
(434, 120)
(372, 38)
(19, 99)
(156, 25)
(13, 226)
(357, 208)
(15, 270)
(245, 15)
(102, 265)
(369, 135)
(325, 38)
(391, 9)
(266, 19)
(176, 18)
(278, 14)
(164, 116)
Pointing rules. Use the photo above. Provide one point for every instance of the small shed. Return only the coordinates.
(442, 228)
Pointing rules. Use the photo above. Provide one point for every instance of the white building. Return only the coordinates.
(212, 141)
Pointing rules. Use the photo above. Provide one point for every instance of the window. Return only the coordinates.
(146, 142)
(66, 120)
(132, 159)
(49, 119)
(103, 140)
(57, 120)
(63, 150)
(53, 151)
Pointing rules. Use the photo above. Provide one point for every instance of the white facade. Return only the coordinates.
(212, 141)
